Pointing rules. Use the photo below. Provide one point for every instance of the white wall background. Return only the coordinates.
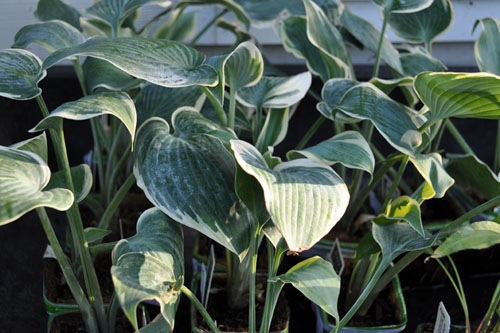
(454, 47)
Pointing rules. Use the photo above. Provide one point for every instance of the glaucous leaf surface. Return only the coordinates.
(474, 236)
(20, 73)
(437, 180)
(150, 266)
(473, 174)
(163, 62)
(394, 121)
(424, 25)
(180, 26)
(234, 6)
(114, 12)
(463, 95)
(487, 46)
(349, 148)
(37, 145)
(326, 37)
(276, 91)
(266, 12)
(403, 6)
(118, 104)
(317, 280)
(82, 181)
(370, 36)
(332, 92)
(405, 209)
(23, 177)
(189, 174)
(102, 74)
(416, 60)
(47, 10)
(244, 66)
(305, 199)
(274, 130)
(51, 35)
(293, 32)
(157, 101)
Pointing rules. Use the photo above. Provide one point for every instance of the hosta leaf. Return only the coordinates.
(274, 130)
(114, 12)
(317, 280)
(82, 181)
(20, 72)
(163, 62)
(332, 92)
(397, 238)
(394, 121)
(240, 35)
(37, 145)
(487, 46)
(473, 174)
(405, 209)
(52, 35)
(233, 6)
(475, 236)
(157, 101)
(425, 25)
(47, 10)
(437, 180)
(369, 36)
(150, 265)
(95, 234)
(293, 33)
(403, 6)
(416, 60)
(464, 95)
(265, 12)
(244, 66)
(180, 26)
(190, 176)
(23, 177)
(305, 199)
(348, 148)
(118, 104)
(276, 91)
(326, 37)
(102, 74)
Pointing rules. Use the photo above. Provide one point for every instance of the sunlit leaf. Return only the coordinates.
(189, 174)
(163, 62)
(475, 236)
(416, 60)
(150, 266)
(405, 209)
(425, 25)
(305, 199)
(20, 73)
(437, 180)
(464, 95)
(118, 104)
(23, 177)
(348, 148)
(487, 46)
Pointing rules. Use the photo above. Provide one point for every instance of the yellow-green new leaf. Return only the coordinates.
(349, 148)
(487, 46)
(305, 199)
(475, 236)
(437, 180)
(20, 72)
(159, 61)
(150, 266)
(118, 104)
(405, 209)
(23, 177)
(51, 35)
(463, 95)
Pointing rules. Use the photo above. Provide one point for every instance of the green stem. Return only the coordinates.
(496, 162)
(252, 276)
(395, 182)
(494, 306)
(115, 202)
(203, 312)
(232, 108)
(102, 248)
(310, 133)
(458, 289)
(76, 290)
(218, 107)
(458, 137)
(207, 26)
(116, 173)
(387, 14)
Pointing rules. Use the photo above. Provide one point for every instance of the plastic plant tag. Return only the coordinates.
(336, 257)
(443, 320)
(209, 275)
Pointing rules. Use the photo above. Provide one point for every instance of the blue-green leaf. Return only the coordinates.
(47, 10)
(20, 73)
(37, 145)
(487, 46)
(82, 181)
(403, 6)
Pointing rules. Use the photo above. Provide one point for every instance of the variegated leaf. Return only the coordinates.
(20, 73)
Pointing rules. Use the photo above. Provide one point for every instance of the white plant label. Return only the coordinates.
(443, 320)
(337, 258)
